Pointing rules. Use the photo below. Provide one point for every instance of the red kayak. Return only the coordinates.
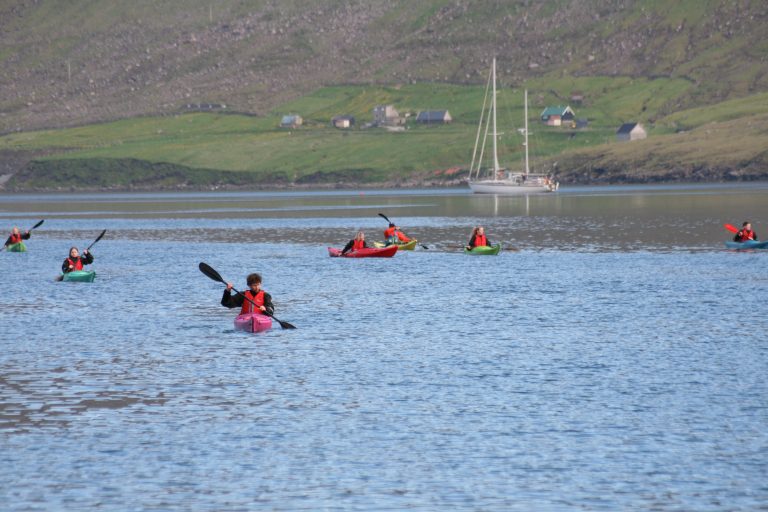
(368, 252)
(252, 322)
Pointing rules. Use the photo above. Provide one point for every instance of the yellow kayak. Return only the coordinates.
(400, 247)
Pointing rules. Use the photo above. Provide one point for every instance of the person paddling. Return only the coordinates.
(259, 300)
(17, 236)
(75, 261)
(478, 238)
(745, 233)
(355, 244)
(393, 235)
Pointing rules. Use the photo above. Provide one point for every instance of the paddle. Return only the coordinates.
(731, 228)
(61, 277)
(212, 274)
(389, 221)
(30, 229)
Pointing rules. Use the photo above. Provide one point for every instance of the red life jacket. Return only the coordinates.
(747, 234)
(359, 244)
(389, 232)
(15, 238)
(78, 265)
(248, 306)
(480, 240)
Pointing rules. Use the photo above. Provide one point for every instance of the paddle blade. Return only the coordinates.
(385, 218)
(284, 325)
(37, 225)
(731, 228)
(210, 272)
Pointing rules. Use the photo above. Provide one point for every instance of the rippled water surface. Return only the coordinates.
(615, 360)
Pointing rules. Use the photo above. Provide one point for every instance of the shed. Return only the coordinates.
(631, 131)
(434, 117)
(291, 121)
(343, 121)
(555, 116)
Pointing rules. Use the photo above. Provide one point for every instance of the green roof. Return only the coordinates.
(554, 111)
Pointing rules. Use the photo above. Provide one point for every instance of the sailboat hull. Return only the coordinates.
(502, 187)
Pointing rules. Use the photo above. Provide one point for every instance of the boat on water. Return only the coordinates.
(500, 180)
(17, 247)
(79, 276)
(252, 322)
(749, 244)
(368, 252)
(402, 247)
(484, 250)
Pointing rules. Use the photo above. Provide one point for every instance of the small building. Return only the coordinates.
(434, 117)
(343, 122)
(577, 97)
(556, 116)
(582, 123)
(291, 121)
(631, 131)
(387, 115)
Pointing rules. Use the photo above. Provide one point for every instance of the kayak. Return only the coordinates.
(80, 276)
(368, 252)
(252, 322)
(403, 247)
(484, 250)
(749, 244)
(19, 247)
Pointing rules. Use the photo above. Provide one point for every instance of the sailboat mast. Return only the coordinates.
(495, 150)
(526, 132)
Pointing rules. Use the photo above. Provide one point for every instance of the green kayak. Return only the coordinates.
(484, 250)
(400, 247)
(80, 276)
(19, 247)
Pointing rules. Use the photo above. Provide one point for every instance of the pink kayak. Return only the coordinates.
(252, 322)
(369, 252)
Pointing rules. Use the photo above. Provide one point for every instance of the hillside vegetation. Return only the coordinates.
(96, 93)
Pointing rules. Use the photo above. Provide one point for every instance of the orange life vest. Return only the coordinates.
(248, 306)
(359, 244)
(480, 240)
(78, 265)
(15, 238)
(389, 232)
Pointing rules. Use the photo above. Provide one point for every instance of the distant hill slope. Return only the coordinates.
(77, 62)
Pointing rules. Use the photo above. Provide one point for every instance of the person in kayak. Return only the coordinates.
(260, 301)
(355, 244)
(16, 237)
(75, 261)
(478, 239)
(745, 233)
(393, 235)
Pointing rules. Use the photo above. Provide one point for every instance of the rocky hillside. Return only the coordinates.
(77, 62)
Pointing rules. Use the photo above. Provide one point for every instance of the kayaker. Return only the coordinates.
(478, 238)
(262, 300)
(355, 244)
(393, 235)
(75, 261)
(745, 233)
(17, 236)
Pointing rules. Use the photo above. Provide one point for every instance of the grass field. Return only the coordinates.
(240, 143)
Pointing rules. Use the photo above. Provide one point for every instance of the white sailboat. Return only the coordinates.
(503, 181)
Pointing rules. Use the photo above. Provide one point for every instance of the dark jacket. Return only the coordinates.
(24, 236)
(741, 238)
(236, 301)
(350, 244)
(87, 259)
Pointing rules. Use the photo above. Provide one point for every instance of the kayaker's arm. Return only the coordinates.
(270, 308)
(87, 258)
(230, 301)
(348, 247)
(65, 267)
(25, 236)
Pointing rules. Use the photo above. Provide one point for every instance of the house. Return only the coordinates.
(555, 116)
(386, 115)
(343, 122)
(631, 131)
(434, 117)
(577, 97)
(291, 121)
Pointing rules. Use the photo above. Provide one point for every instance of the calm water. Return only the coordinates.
(616, 361)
